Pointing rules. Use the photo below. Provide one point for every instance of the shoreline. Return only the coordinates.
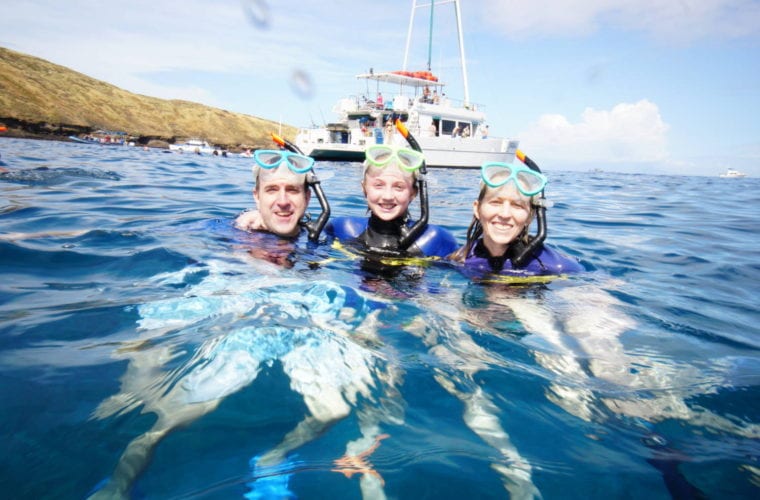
(19, 129)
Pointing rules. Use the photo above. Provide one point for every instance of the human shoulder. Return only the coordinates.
(346, 228)
(436, 241)
(551, 261)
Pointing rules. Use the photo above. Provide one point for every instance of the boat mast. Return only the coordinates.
(430, 33)
(462, 59)
(409, 35)
(461, 54)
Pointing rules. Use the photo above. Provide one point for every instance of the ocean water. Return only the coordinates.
(135, 323)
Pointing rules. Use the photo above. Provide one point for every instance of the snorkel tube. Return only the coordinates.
(418, 227)
(521, 253)
(315, 227)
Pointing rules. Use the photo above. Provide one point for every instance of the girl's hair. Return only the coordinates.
(367, 165)
(475, 230)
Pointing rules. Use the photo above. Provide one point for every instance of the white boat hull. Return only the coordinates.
(440, 152)
(192, 146)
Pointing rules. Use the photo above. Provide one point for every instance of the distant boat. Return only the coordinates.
(733, 173)
(102, 138)
(193, 146)
(451, 133)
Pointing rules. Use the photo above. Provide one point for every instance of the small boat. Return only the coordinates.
(102, 138)
(197, 146)
(730, 172)
(451, 133)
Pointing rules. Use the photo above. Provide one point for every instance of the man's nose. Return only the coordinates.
(282, 197)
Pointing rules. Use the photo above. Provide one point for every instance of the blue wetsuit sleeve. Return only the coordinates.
(436, 242)
(554, 262)
(346, 228)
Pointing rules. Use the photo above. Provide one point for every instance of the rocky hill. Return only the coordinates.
(44, 100)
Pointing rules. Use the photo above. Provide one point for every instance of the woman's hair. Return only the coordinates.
(475, 230)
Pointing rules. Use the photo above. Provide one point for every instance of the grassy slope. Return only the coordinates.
(33, 90)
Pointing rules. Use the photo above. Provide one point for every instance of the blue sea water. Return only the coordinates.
(130, 312)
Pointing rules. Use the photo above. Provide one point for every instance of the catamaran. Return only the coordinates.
(451, 133)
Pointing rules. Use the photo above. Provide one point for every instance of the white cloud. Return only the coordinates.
(628, 133)
(677, 20)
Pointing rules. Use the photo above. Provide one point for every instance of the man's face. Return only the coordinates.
(282, 198)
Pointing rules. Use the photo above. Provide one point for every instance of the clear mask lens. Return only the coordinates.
(381, 155)
(528, 182)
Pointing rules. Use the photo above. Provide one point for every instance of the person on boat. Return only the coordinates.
(426, 95)
(388, 132)
(393, 177)
(498, 239)
(379, 101)
(283, 182)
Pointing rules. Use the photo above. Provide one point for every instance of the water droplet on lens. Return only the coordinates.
(301, 83)
(257, 12)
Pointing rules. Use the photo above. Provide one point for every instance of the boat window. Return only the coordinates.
(447, 126)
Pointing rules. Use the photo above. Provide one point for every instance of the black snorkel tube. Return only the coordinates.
(314, 227)
(418, 227)
(522, 253)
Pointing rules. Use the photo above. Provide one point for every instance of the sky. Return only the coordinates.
(644, 86)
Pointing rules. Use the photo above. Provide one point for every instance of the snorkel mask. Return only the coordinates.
(381, 155)
(298, 163)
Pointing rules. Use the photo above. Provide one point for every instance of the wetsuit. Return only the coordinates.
(382, 237)
(543, 261)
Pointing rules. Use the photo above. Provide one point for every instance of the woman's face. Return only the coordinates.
(388, 190)
(503, 212)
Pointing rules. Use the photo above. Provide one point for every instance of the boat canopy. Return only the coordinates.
(410, 78)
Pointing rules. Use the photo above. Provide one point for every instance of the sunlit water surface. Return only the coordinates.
(127, 302)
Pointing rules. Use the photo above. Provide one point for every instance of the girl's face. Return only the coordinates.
(389, 191)
(503, 212)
